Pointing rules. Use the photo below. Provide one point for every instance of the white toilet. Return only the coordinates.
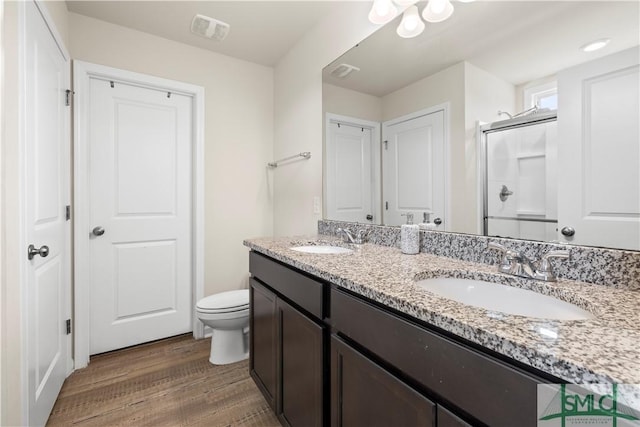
(227, 313)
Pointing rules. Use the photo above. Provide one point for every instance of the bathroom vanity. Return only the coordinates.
(350, 339)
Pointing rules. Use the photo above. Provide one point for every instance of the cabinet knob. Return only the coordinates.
(568, 231)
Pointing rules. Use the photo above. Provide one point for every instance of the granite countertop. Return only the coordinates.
(605, 349)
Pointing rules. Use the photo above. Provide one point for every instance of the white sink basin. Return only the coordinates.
(321, 249)
(504, 298)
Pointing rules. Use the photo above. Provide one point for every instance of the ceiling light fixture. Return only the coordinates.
(595, 45)
(382, 11)
(411, 24)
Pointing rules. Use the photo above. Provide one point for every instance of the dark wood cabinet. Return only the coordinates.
(489, 390)
(448, 419)
(301, 349)
(287, 342)
(365, 395)
(263, 340)
(379, 368)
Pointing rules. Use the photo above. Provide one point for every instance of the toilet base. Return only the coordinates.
(228, 347)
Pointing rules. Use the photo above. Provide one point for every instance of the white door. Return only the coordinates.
(413, 169)
(47, 185)
(140, 185)
(599, 152)
(350, 176)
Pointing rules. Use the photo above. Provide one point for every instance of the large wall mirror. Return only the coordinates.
(496, 121)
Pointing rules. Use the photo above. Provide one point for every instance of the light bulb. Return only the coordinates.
(411, 25)
(437, 6)
(382, 11)
(437, 10)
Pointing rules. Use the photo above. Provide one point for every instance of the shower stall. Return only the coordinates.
(519, 167)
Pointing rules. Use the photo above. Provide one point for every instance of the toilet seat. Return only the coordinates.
(224, 302)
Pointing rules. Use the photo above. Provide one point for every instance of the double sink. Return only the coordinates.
(491, 296)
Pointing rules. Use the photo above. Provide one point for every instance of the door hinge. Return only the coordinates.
(67, 97)
(68, 324)
(386, 145)
(386, 206)
(68, 212)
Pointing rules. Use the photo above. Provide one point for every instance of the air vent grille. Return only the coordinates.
(210, 28)
(343, 70)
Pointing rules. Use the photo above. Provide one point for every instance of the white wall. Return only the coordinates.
(298, 113)
(485, 94)
(347, 102)
(238, 133)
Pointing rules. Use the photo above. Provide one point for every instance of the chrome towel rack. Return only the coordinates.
(304, 155)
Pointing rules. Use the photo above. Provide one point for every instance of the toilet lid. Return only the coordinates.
(225, 301)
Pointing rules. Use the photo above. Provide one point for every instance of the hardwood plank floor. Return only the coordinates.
(164, 383)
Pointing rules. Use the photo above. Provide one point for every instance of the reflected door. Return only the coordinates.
(598, 153)
(46, 192)
(350, 176)
(140, 212)
(413, 169)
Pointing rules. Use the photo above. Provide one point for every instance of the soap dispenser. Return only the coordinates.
(409, 236)
(426, 224)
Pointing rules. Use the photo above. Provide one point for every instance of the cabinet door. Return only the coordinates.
(447, 419)
(364, 394)
(263, 334)
(301, 364)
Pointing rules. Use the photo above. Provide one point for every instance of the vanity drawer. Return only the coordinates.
(487, 389)
(294, 286)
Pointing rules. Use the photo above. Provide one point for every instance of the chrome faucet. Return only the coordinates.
(359, 238)
(348, 237)
(517, 264)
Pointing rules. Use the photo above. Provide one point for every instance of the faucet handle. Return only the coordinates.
(544, 270)
(361, 235)
(348, 237)
(508, 258)
(545, 265)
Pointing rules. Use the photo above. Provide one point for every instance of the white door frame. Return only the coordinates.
(22, 113)
(445, 108)
(82, 74)
(376, 165)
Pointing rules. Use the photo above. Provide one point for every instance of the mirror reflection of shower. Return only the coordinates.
(520, 176)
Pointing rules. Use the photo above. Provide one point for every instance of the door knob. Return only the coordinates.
(97, 231)
(568, 231)
(505, 193)
(32, 251)
(437, 221)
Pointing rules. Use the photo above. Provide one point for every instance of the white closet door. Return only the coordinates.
(140, 185)
(350, 173)
(413, 168)
(599, 152)
(46, 192)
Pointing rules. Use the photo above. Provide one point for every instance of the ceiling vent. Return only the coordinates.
(343, 70)
(210, 28)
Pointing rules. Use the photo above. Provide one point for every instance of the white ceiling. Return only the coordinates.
(518, 41)
(261, 31)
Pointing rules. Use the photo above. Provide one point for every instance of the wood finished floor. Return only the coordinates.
(165, 383)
